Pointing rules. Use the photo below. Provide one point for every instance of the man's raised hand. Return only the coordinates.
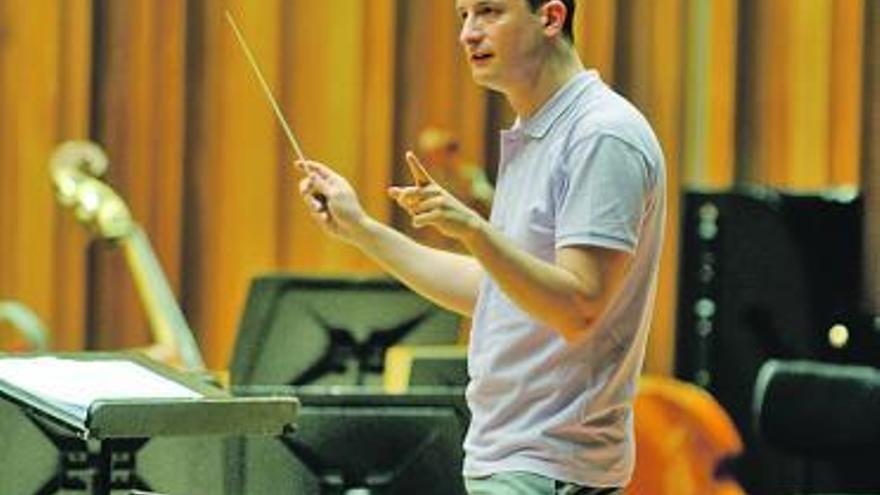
(429, 204)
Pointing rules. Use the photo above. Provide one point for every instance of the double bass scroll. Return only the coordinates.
(76, 168)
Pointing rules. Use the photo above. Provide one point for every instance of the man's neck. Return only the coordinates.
(559, 67)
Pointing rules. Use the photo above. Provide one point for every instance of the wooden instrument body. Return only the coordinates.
(683, 440)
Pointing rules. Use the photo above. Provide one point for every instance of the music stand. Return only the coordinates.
(332, 334)
(301, 330)
(99, 432)
(352, 440)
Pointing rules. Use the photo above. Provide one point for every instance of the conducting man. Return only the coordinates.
(560, 281)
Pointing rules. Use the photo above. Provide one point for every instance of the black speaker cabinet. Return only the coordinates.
(767, 275)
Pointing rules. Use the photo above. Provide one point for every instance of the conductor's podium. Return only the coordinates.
(77, 423)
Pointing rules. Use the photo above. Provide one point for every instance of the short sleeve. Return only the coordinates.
(604, 195)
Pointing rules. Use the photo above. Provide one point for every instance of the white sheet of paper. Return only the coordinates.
(78, 383)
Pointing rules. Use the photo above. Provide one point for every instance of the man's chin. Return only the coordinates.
(484, 78)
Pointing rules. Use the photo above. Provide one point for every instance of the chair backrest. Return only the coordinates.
(828, 415)
(818, 409)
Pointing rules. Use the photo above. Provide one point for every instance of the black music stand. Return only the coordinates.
(303, 330)
(332, 334)
(98, 440)
(355, 440)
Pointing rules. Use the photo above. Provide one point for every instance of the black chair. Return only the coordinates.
(826, 415)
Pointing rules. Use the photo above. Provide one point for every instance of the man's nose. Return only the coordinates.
(470, 34)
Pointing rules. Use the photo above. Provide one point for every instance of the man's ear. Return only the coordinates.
(553, 15)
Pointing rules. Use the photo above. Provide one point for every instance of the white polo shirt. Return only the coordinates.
(585, 170)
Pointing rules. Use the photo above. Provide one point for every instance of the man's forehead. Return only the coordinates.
(467, 4)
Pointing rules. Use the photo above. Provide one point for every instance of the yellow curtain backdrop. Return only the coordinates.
(595, 27)
(734, 94)
(803, 99)
(709, 113)
(45, 51)
(138, 102)
(236, 162)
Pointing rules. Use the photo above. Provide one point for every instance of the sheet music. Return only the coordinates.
(75, 384)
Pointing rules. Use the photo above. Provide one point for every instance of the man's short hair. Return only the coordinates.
(568, 27)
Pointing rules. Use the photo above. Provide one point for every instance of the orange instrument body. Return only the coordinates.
(682, 437)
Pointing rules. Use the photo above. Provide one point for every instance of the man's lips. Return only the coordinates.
(481, 57)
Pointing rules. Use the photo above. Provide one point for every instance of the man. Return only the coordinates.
(560, 281)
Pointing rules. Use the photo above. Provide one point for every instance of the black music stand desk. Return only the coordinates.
(97, 436)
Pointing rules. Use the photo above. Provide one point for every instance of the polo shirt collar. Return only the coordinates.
(537, 126)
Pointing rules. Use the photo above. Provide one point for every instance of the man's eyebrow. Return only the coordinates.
(481, 3)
